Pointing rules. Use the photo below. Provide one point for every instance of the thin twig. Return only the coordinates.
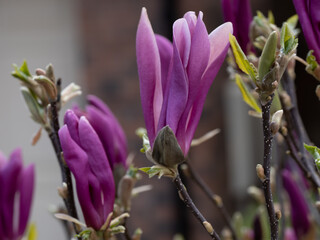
(215, 198)
(184, 196)
(266, 184)
(65, 171)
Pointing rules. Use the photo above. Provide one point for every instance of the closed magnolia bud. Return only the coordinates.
(166, 150)
(125, 187)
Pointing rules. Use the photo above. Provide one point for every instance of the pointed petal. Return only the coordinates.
(165, 50)
(118, 136)
(71, 120)
(103, 126)
(149, 69)
(98, 162)
(198, 61)
(191, 20)
(77, 161)
(219, 44)
(26, 193)
(182, 39)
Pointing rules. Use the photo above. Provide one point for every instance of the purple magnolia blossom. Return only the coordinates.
(16, 191)
(175, 77)
(87, 160)
(239, 13)
(309, 17)
(299, 208)
(108, 129)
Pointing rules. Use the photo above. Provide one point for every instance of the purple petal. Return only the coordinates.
(243, 21)
(10, 178)
(149, 69)
(26, 192)
(165, 50)
(108, 129)
(228, 11)
(308, 12)
(219, 44)
(77, 161)
(198, 61)
(98, 162)
(299, 209)
(177, 94)
(71, 120)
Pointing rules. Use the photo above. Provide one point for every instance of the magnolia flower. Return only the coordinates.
(87, 160)
(175, 77)
(16, 192)
(108, 129)
(299, 208)
(308, 12)
(239, 13)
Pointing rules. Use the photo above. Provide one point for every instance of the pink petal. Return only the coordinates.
(149, 69)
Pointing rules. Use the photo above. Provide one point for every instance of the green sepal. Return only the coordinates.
(48, 85)
(159, 170)
(37, 112)
(292, 22)
(246, 95)
(271, 17)
(32, 232)
(21, 73)
(268, 55)
(241, 59)
(315, 153)
(85, 234)
(288, 42)
(117, 229)
(312, 62)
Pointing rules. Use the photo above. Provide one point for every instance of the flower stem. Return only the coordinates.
(65, 172)
(185, 197)
(266, 183)
(215, 198)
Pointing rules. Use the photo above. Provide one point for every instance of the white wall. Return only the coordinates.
(40, 31)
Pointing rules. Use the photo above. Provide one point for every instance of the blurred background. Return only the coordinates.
(92, 43)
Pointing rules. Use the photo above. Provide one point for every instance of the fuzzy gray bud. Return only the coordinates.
(166, 150)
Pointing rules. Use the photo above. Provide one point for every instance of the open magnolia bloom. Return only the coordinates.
(17, 185)
(87, 160)
(175, 77)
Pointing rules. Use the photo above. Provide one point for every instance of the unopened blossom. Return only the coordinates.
(16, 192)
(87, 160)
(309, 17)
(239, 13)
(108, 129)
(175, 77)
(299, 208)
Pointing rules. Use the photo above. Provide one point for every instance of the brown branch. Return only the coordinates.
(215, 198)
(266, 182)
(184, 196)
